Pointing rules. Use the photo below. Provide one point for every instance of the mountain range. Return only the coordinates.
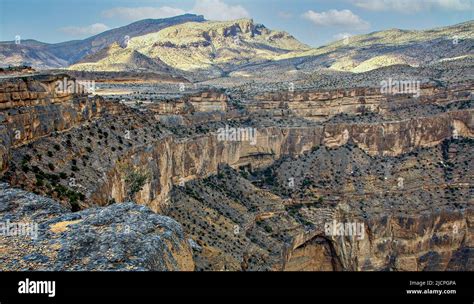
(191, 45)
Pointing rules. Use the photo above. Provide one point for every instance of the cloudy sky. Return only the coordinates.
(315, 22)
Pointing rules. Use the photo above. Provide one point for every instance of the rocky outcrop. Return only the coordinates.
(119, 237)
(322, 105)
(32, 107)
(208, 101)
(17, 70)
(423, 242)
(168, 160)
(413, 212)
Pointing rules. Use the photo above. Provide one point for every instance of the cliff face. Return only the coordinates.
(395, 138)
(201, 102)
(407, 218)
(31, 107)
(321, 106)
(424, 242)
(414, 210)
(172, 161)
(57, 55)
(205, 49)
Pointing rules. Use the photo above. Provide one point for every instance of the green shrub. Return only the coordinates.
(307, 182)
(26, 159)
(135, 182)
(39, 182)
(268, 229)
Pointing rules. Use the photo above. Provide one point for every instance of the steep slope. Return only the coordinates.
(74, 51)
(30, 53)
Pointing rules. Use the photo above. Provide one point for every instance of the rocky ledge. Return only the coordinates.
(37, 233)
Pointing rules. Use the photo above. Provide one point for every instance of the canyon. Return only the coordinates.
(85, 152)
(138, 154)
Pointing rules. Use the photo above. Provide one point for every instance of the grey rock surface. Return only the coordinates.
(114, 238)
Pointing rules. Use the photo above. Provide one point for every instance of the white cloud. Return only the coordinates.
(458, 5)
(139, 13)
(342, 18)
(388, 5)
(219, 10)
(341, 36)
(92, 29)
(409, 6)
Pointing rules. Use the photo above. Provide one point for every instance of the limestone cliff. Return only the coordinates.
(32, 107)
(172, 161)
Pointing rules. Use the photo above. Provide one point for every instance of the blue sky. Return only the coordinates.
(315, 22)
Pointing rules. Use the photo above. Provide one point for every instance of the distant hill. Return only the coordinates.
(44, 56)
(366, 52)
(188, 45)
(204, 46)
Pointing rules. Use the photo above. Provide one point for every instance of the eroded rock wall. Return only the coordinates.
(173, 161)
(32, 107)
(320, 106)
(426, 241)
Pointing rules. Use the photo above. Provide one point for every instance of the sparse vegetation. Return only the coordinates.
(135, 181)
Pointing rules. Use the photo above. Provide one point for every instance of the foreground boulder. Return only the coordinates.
(37, 233)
